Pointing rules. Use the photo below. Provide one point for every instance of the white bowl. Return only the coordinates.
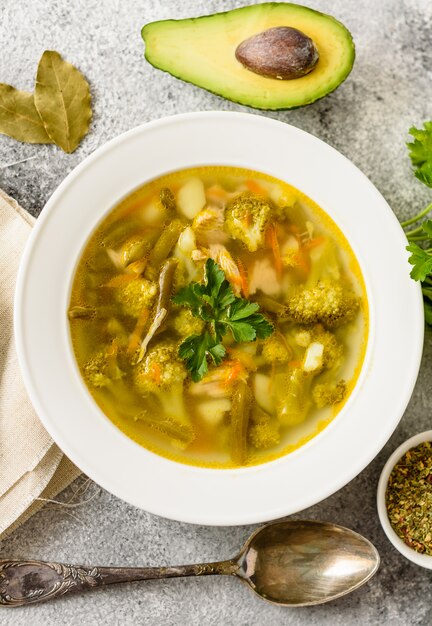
(102, 451)
(420, 559)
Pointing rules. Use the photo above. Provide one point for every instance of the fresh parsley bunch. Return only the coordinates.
(215, 302)
(420, 237)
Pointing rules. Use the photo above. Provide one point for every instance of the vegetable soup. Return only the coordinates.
(219, 317)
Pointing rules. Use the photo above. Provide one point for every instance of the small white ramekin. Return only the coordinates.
(424, 560)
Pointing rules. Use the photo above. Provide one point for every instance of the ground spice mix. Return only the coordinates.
(409, 498)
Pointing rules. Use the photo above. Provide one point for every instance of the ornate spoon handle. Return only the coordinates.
(27, 582)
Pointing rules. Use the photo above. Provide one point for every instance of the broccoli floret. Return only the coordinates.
(186, 324)
(264, 435)
(246, 219)
(328, 302)
(303, 338)
(333, 350)
(264, 430)
(102, 369)
(136, 295)
(325, 394)
(161, 369)
(161, 374)
(276, 350)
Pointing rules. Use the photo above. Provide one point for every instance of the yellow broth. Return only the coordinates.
(299, 378)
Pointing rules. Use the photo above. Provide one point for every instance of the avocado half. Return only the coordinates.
(201, 50)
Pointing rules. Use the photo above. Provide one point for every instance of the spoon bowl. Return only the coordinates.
(301, 563)
(295, 563)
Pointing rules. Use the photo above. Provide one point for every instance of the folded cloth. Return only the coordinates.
(32, 467)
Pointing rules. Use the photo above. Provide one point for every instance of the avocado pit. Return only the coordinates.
(281, 52)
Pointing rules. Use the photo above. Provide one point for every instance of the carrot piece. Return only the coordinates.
(274, 245)
(255, 187)
(140, 203)
(244, 278)
(120, 280)
(247, 220)
(135, 337)
(156, 372)
(313, 243)
(216, 191)
(234, 372)
(302, 260)
(245, 359)
(295, 364)
(302, 257)
(293, 228)
(137, 267)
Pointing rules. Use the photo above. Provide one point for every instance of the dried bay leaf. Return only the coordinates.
(62, 98)
(19, 117)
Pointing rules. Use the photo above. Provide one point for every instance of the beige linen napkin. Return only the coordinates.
(32, 467)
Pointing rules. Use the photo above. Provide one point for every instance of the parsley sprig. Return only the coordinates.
(215, 302)
(420, 237)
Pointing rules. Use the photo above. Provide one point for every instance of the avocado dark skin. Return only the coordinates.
(282, 52)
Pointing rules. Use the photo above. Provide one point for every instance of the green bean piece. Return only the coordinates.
(168, 201)
(94, 280)
(105, 311)
(102, 312)
(272, 306)
(82, 313)
(99, 261)
(127, 402)
(240, 413)
(292, 396)
(162, 248)
(117, 232)
(153, 418)
(258, 415)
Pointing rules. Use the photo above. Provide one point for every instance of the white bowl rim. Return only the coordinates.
(226, 509)
(424, 560)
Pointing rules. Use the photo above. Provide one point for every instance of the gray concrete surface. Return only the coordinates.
(367, 119)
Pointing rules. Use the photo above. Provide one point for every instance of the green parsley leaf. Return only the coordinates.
(190, 296)
(262, 326)
(242, 308)
(244, 323)
(213, 279)
(420, 151)
(421, 261)
(242, 331)
(195, 350)
(215, 302)
(216, 352)
(226, 295)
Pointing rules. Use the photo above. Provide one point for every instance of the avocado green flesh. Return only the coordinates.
(202, 51)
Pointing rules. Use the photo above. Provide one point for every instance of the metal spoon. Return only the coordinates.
(294, 563)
